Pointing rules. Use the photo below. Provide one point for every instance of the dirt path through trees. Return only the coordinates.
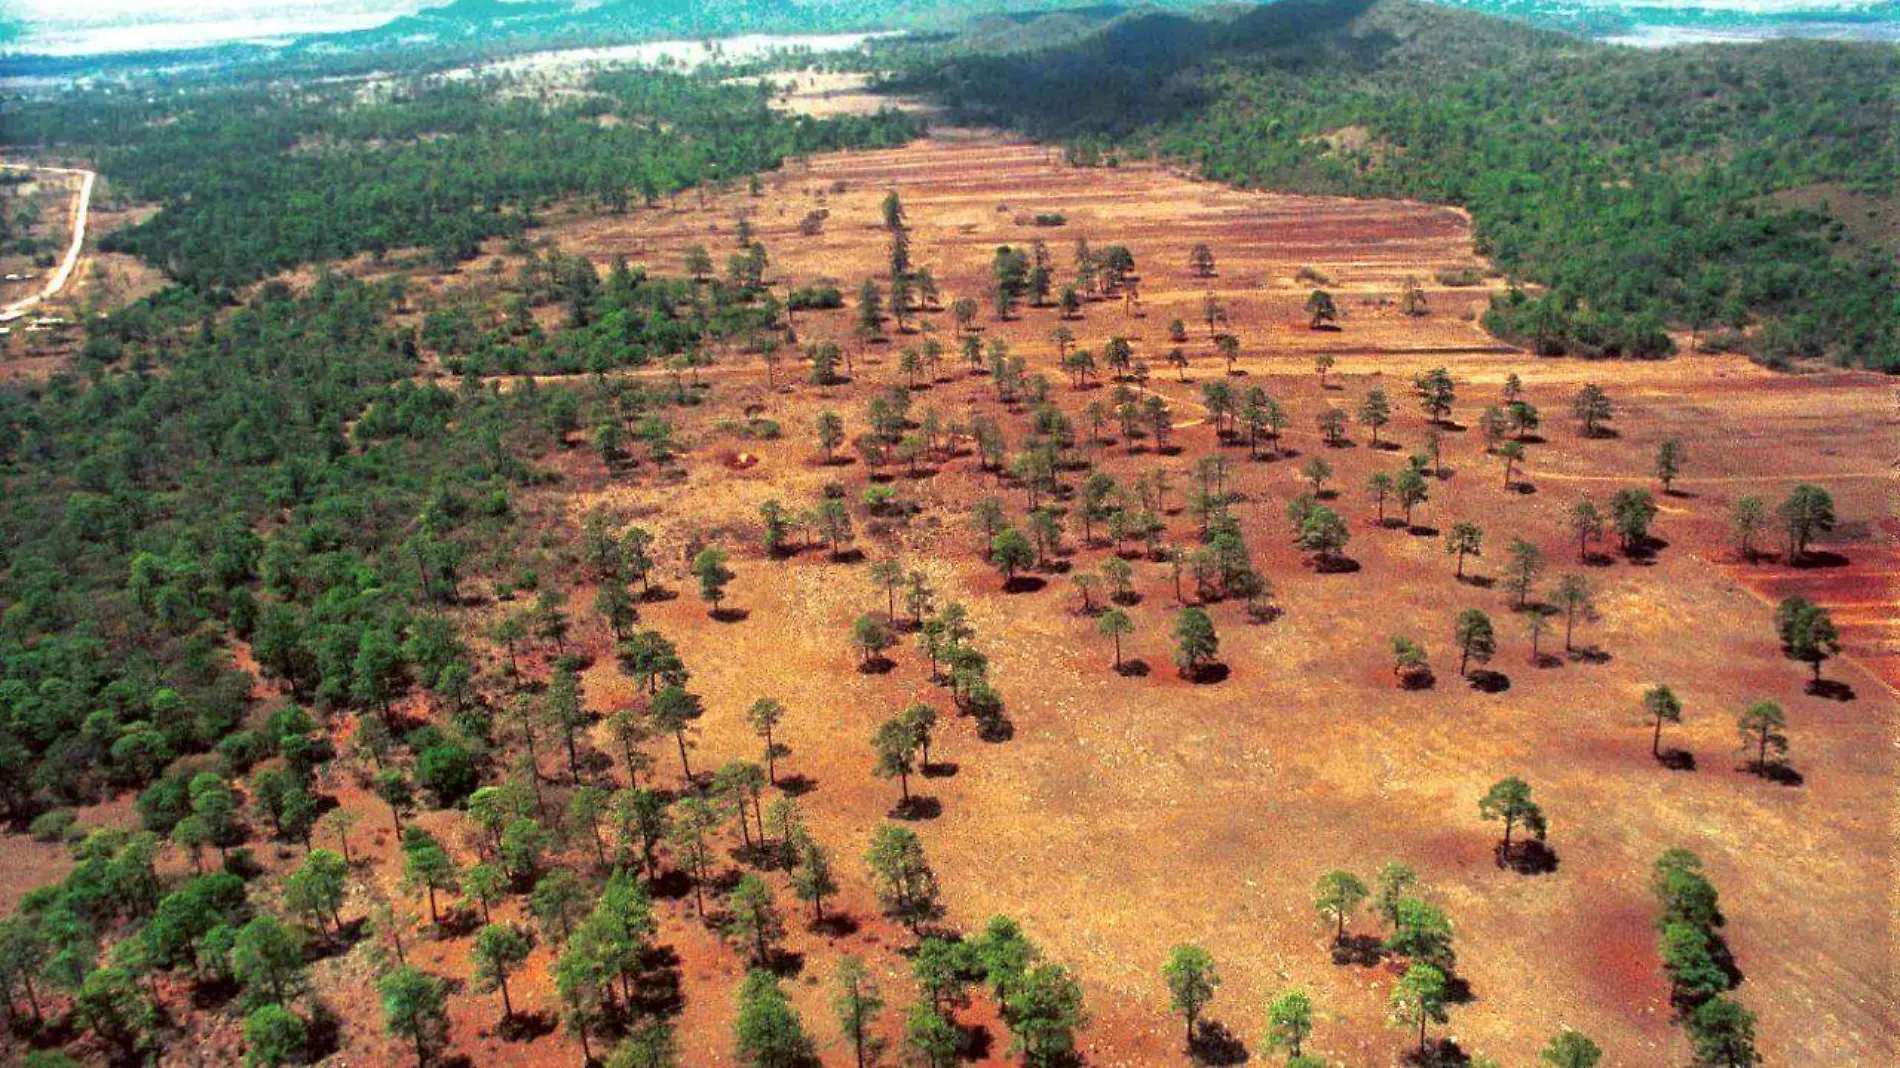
(82, 204)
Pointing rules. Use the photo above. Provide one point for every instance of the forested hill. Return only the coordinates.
(1645, 189)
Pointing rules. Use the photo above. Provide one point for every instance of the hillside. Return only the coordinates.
(1626, 182)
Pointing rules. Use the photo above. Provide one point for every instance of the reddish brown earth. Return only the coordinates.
(1128, 814)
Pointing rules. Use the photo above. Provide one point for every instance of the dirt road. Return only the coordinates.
(82, 203)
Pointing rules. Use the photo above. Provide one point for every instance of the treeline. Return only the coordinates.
(1632, 185)
(629, 318)
(260, 178)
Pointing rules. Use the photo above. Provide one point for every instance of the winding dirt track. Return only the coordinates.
(82, 205)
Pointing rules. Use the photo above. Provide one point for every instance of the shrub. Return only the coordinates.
(817, 297)
(54, 826)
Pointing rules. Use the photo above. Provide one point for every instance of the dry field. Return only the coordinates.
(1129, 813)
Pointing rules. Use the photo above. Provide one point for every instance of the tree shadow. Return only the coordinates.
(1596, 559)
(1526, 858)
(1024, 584)
(877, 665)
(659, 989)
(333, 943)
(1547, 661)
(917, 807)
(657, 594)
(835, 925)
(765, 856)
(1133, 668)
(1484, 680)
(1215, 1044)
(1483, 582)
(212, 992)
(797, 785)
(1362, 950)
(939, 769)
(1421, 679)
(1438, 1053)
(1207, 674)
(323, 1033)
(1818, 558)
(1642, 551)
(1725, 960)
(671, 885)
(526, 1026)
(1421, 531)
(1676, 759)
(995, 728)
(730, 615)
(785, 963)
(1335, 565)
(1777, 772)
(242, 863)
(1830, 689)
(1590, 654)
(1523, 487)
(458, 922)
(1458, 990)
(976, 1043)
(1127, 600)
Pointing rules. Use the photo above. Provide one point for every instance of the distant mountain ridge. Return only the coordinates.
(490, 21)
(515, 25)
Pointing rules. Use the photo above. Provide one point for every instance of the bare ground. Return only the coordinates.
(1130, 813)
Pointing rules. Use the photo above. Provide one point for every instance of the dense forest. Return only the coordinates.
(266, 475)
(1582, 173)
(261, 177)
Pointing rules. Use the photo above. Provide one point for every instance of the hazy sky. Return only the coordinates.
(66, 11)
(112, 25)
